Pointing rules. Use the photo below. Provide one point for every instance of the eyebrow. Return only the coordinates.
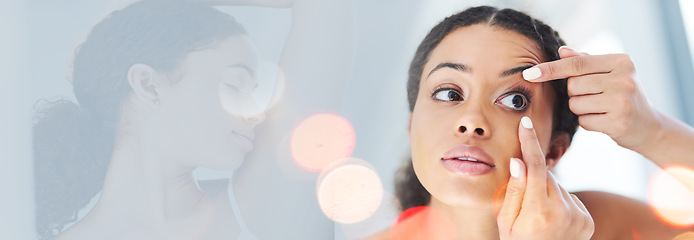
(456, 66)
(464, 68)
(248, 69)
(515, 70)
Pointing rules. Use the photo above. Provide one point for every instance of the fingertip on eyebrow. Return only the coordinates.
(516, 70)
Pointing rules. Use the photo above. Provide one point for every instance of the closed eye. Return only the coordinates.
(232, 87)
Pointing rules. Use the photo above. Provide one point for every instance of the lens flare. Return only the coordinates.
(321, 140)
(350, 192)
(669, 199)
(422, 222)
(376, 226)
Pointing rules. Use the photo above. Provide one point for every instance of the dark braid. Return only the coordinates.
(408, 189)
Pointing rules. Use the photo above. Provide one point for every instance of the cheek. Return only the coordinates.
(506, 132)
(543, 122)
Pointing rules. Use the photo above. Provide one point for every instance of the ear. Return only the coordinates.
(142, 79)
(557, 147)
(409, 125)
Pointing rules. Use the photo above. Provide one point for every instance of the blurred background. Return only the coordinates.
(39, 37)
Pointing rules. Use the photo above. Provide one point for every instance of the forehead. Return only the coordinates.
(489, 46)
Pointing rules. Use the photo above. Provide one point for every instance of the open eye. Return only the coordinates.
(515, 101)
(448, 95)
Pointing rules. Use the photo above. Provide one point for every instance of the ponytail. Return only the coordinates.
(71, 154)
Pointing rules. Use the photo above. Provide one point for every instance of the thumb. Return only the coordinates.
(515, 190)
(566, 52)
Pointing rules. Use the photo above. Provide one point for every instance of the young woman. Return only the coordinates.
(486, 127)
(162, 87)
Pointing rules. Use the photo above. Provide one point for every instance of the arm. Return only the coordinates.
(605, 96)
(316, 64)
(618, 217)
(672, 143)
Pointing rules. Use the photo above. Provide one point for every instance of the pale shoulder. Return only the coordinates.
(620, 217)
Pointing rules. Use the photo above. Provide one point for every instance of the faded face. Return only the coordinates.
(464, 126)
(210, 106)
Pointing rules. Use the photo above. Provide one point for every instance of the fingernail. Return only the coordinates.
(515, 167)
(563, 47)
(526, 122)
(531, 73)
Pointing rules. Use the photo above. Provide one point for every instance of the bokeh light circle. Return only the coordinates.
(670, 200)
(320, 140)
(349, 192)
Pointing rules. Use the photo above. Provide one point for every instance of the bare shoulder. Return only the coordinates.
(619, 217)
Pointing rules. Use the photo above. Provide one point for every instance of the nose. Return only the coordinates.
(478, 131)
(256, 118)
(474, 125)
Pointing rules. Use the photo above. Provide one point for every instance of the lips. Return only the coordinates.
(468, 160)
(245, 139)
(247, 135)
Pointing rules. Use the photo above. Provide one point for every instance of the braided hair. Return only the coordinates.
(408, 189)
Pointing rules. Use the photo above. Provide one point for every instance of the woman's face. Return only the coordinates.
(470, 102)
(210, 107)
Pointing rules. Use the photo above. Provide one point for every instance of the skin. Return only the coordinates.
(630, 121)
(633, 124)
(173, 123)
(434, 124)
(470, 200)
(272, 172)
(534, 205)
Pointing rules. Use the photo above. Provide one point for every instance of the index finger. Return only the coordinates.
(536, 187)
(569, 67)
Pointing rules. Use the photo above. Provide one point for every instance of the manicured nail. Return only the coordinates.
(531, 73)
(514, 166)
(526, 122)
(563, 47)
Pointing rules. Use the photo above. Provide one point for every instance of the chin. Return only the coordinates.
(226, 161)
(463, 192)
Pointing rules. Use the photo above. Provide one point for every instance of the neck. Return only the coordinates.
(143, 187)
(470, 223)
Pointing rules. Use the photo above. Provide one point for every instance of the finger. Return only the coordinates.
(589, 104)
(595, 122)
(513, 199)
(536, 187)
(554, 190)
(589, 224)
(566, 52)
(579, 204)
(569, 67)
(587, 84)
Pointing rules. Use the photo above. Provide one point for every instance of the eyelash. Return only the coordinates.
(522, 90)
(446, 88)
(517, 90)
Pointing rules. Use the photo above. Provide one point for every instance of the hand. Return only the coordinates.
(604, 94)
(536, 207)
